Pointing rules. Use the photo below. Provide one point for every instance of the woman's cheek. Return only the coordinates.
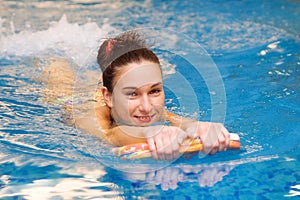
(132, 106)
(160, 101)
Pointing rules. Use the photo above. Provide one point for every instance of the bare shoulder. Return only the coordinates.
(90, 124)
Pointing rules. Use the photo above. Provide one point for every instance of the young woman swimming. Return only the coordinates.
(129, 106)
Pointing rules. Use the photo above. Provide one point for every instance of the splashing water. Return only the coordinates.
(73, 41)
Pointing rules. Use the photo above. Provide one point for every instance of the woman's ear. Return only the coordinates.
(107, 96)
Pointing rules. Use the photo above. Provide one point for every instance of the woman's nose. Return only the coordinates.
(145, 104)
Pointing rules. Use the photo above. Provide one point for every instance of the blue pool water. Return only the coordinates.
(252, 49)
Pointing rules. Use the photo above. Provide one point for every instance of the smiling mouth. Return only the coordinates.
(144, 119)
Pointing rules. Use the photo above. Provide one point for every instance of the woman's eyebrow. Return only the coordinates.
(135, 88)
(156, 84)
(129, 88)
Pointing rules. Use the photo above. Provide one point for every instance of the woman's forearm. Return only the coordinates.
(118, 136)
(124, 135)
(178, 121)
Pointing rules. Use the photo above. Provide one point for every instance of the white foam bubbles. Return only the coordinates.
(71, 40)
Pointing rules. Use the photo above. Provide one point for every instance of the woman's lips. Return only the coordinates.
(144, 119)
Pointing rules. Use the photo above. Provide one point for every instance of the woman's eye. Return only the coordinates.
(155, 91)
(131, 94)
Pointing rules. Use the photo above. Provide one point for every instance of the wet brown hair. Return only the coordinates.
(126, 48)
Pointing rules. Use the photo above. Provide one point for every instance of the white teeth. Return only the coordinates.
(144, 118)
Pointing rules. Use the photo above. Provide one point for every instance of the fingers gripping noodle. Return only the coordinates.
(141, 150)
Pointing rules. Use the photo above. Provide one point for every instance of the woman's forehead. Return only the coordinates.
(136, 75)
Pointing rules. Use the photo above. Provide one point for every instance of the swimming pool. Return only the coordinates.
(255, 47)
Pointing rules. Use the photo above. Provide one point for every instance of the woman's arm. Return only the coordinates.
(214, 136)
(178, 121)
(97, 122)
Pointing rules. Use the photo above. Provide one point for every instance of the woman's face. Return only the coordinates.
(138, 96)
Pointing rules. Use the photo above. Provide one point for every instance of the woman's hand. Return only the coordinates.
(214, 136)
(164, 141)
